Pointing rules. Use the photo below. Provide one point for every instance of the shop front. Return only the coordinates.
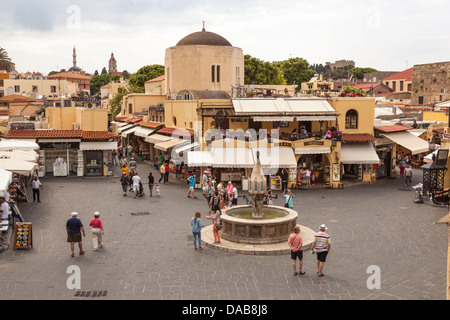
(58, 157)
(143, 147)
(359, 161)
(95, 158)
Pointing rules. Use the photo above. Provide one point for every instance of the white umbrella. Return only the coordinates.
(5, 181)
(25, 168)
(18, 145)
(19, 155)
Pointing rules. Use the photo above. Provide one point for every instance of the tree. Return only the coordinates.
(104, 71)
(52, 72)
(296, 70)
(259, 71)
(5, 61)
(144, 74)
(125, 74)
(96, 73)
(100, 80)
(358, 73)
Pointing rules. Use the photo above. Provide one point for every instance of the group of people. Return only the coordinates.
(320, 246)
(196, 225)
(217, 193)
(131, 181)
(74, 229)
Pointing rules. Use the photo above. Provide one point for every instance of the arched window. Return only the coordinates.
(213, 69)
(351, 119)
(218, 73)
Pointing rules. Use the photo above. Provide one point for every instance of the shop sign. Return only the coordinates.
(21, 126)
(314, 143)
(59, 145)
(336, 172)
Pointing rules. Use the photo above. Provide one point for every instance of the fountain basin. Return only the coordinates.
(240, 227)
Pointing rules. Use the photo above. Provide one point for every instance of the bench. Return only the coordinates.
(328, 185)
(340, 185)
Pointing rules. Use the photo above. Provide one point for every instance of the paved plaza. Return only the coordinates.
(148, 251)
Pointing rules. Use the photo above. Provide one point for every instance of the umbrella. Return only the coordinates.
(25, 168)
(18, 145)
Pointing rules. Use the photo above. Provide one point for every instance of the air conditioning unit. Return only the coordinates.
(75, 126)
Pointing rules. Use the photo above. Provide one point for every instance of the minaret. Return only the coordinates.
(74, 57)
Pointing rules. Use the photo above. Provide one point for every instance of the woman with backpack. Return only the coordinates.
(196, 225)
(215, 217)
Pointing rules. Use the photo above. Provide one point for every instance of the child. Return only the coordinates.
(313, 179)
(157, 190)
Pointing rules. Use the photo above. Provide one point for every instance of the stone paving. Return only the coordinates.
(148, 251)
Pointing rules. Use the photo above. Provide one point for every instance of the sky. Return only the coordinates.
(388, 35)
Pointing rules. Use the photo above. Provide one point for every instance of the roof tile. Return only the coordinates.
(395, 128)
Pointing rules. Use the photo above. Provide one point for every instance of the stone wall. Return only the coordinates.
(431, 83)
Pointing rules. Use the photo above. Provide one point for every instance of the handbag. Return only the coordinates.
(286, 205)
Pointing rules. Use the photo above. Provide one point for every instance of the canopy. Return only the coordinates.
(18, 145)
(128, 131)
(100, 145)
(184, 148)
(312, 150)
(232, 158)
(126, 127)
(275, 157)
(164, 146)
(157, 138)
(5, 181)
(143, 132)
(359, 153)
(199, 158)
(19, 155)
(25, 168)
(409, 141)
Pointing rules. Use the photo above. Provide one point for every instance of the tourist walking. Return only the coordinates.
(308, 177)
(284, 178)
(191, 183)
(196, 225)
(136, 180)
(408, 175)
(402, 166)
(166, 172)
(36, 185)
(74, 228)
(114, 157)
(157, 190)
(124, 183)
(133, 164)
(209, 193)
(97, 231)
(162, 170)
(215, 217)
(234, 194)
(151, 182)
(321, 246)
(295, 242)
(289, 197)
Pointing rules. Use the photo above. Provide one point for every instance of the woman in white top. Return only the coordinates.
(216, 214)
(308, 177)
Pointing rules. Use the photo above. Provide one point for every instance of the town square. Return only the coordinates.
(206, 165)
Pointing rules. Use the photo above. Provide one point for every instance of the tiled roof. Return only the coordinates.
(395, 128)
(439, 130)
(181, 132)
(15, 98)
(404, 75)
(357, 137)
(60, 134)
(133, 120)
(160, 78)
(98, 135)
(121, 118)
(68, 75)
(152, 125)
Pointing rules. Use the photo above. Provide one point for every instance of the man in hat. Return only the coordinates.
(74, 229)
(321, 246)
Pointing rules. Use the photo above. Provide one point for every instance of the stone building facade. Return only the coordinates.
(431, 83)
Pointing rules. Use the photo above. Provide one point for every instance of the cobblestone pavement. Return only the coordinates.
(148, 251)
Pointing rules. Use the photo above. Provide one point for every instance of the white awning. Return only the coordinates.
(18, 166)
(232, 158)
(274, 118)
(18, 145)
(5, 181)
(143, 132)
(157, 138)
(101, 145)
(275, 157)
(125, 127)
(317, 117)
(409, 141)
(119, 124)
(359, 153)
(128, 131)
(184, 148)
(312, 150)
(20, 155)
(164, 146)
(199, 158)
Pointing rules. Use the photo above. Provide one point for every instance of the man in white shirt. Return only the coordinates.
(36, 185)
(235, 196)
(4, 208)
(136, 184)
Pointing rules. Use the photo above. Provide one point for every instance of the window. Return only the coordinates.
(218, 73)
(53, 88)
(421, 100)
(35, 89)
(394, 85)
(174, 121)
(130, 108)
(213, 76)
(401, 85)
(409, 87)
(351, 119)
(16, 88)
(387, 83)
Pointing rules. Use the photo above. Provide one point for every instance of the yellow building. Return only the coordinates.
(203, 61)
(400, 82)
(40, 87)
(75, 118)
(317, 86)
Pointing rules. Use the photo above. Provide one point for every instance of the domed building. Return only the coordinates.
(75, 68)
(203, 61)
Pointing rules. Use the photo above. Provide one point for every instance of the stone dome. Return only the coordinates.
(204, 38)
